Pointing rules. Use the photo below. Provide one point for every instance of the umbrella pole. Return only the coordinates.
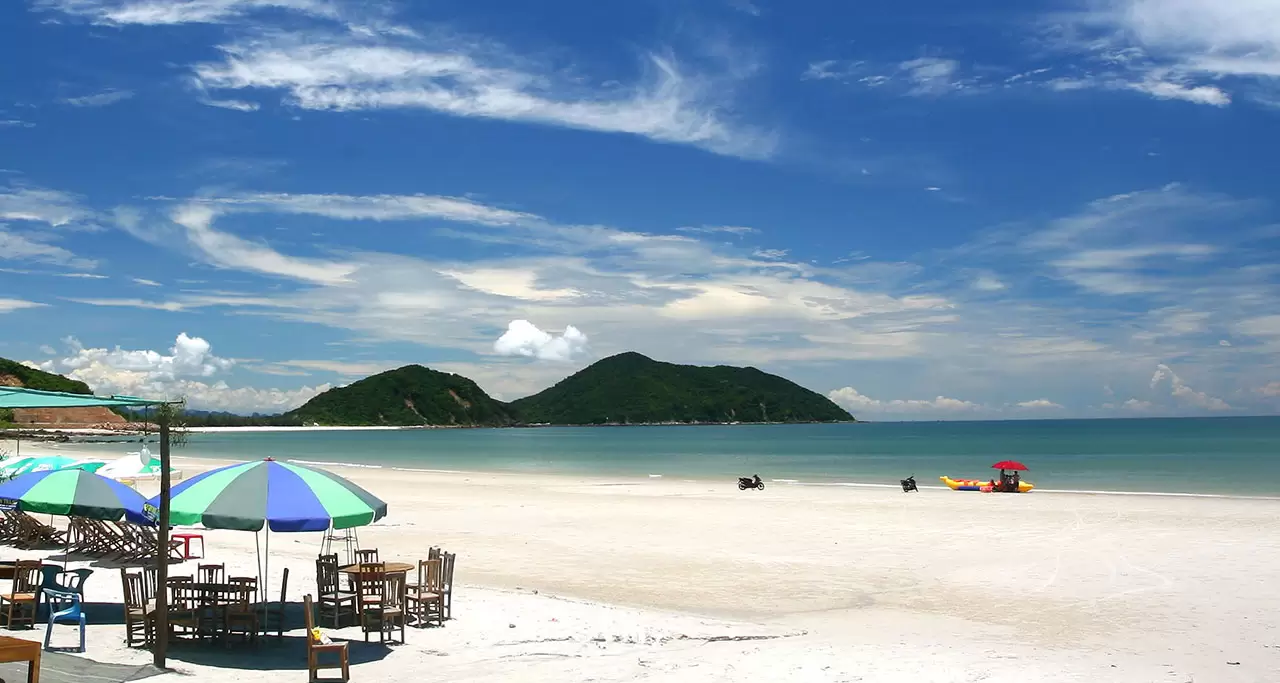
(66, 552)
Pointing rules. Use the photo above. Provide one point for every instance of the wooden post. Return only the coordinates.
(162, 541)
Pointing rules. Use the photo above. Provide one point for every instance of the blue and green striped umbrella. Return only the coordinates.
(35, 464)
(74, 493)
(282, 496)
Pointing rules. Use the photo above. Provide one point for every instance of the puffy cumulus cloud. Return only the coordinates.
(1164, 376)
(523, 338)
(1270, 390)
(857, 403)
(180, 373)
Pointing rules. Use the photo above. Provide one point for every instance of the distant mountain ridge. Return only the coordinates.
(628, 388)
(411, 395)
(631, 388)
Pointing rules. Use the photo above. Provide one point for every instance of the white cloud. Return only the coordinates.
(183, 372)
(39, 205)
(145, 282)
(931, 75)
(170, 12)
(771, 253)
(16, 123)
(374, 207)
(523, 338)
(1039, 404)
(1184, 393)
(1176, 49)
(988, 283)
(860, 405)
(727, 229)
(351, 72)
(234, 105)
(923, 76)
(131, 303)
(34, 248)
(344, 368)
(1270, 390)
(102, 99)
(1138, 406)
(229, 251)
(10, 305)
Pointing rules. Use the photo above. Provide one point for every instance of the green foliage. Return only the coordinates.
(411, 395)
(6, 416)
(39, 379)
(631, 388)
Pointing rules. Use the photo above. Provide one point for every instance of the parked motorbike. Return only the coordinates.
(745, 483)
(909, 484)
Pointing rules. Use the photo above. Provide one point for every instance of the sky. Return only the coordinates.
(922, 209)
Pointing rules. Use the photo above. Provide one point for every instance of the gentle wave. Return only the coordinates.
(337, 464)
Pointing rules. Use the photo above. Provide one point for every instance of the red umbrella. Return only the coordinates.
(1009, 465)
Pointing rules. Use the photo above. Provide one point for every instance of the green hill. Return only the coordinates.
(17, 374)
(411, 395)
(631, 388)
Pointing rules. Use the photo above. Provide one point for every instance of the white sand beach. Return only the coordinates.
(575, 579)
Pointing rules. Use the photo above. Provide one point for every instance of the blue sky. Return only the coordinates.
(1006, 209)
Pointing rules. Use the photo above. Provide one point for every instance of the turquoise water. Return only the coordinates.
(1221, 455)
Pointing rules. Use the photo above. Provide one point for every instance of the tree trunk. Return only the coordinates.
(162, 550)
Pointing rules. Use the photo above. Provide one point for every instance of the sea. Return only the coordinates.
(1238, 456)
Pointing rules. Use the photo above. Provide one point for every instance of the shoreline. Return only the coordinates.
(69, 449)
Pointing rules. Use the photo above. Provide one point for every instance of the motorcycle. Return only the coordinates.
(745, 483)
(909, 484)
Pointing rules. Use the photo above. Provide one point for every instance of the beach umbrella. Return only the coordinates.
(74, 493)
(1009, 465)
(36, 464)
(282, 497)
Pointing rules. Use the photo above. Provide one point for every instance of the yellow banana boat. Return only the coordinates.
(977, 485)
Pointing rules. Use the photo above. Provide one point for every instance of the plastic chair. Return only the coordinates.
(74, 578)
(72, 613)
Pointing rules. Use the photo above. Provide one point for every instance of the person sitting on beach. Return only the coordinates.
(1015, 481)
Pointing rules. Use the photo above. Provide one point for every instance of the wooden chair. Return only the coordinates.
(371, 593)
(184, 608)
(22, 595)
(366, 556)
(274, 611)
(138, 610)
(446, 584)
(315, 648)
(211, 573)
(328, 586)
(392, 612)
(240, 615)
(424, 600)
(446, 577)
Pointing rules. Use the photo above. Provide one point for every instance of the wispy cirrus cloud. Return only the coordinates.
(103, 99)
(167, 13)
(352, 72)
(10, 305)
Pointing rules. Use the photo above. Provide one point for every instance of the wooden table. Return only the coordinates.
(388, 567)
(19, 650)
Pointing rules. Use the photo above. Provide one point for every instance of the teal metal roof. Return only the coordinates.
(18, 397)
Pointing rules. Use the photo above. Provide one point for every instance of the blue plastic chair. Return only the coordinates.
(74, 578)
(72, 613)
